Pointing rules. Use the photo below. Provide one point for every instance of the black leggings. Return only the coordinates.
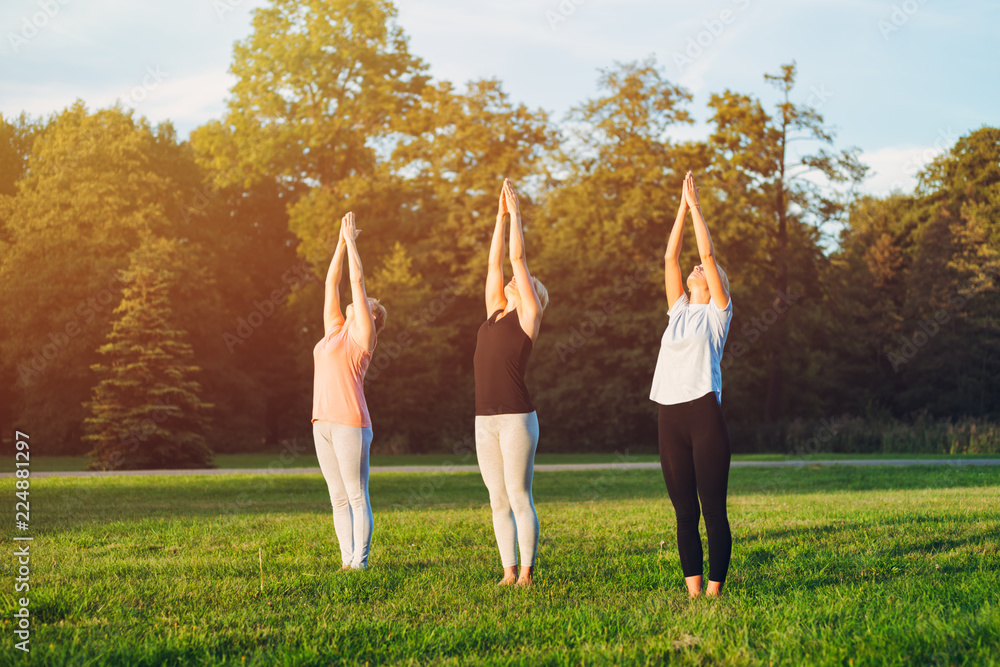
(694, 455)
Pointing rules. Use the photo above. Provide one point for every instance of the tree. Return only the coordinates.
(454, 150)
(427, 217)
(919, 275)
(766, 184)
(416, 388)
(95, 183)
(598, 244)
(15, 146)
(255, 378)
(145, 409)
(319, 84)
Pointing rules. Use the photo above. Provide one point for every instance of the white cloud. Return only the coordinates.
(885, 94)
(186, 100)
(463, 39)
(896, 167)
(159, 94)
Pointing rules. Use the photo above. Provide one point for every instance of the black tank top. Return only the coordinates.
(502, 350)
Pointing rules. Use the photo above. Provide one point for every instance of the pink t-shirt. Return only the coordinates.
(338, 381)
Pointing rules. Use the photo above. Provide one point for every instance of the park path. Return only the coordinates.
(541, 467)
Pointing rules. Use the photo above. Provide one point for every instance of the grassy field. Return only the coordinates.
(831, 566)
(307, 459)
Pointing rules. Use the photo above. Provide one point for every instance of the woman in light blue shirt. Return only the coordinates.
(687, 383)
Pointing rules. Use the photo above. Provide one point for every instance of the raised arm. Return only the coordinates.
(720, 296)
(495, 299)
(672, 278)
(363, 326)
(530, 309)
(333, 316)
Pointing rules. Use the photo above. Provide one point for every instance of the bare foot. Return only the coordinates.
(345, 568)
(713, 590)
(509, 576)
(694, 585)
(525, 578)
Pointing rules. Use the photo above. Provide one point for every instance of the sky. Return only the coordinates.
(902, 80)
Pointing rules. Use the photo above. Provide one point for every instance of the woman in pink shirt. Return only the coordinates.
(342, 428)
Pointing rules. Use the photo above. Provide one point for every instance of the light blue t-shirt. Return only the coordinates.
(689, 364)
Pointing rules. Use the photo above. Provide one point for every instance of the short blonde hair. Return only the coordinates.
(543, 294)
(723, 276)
(378, 314)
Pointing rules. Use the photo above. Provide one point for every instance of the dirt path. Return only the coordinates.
(542, 467)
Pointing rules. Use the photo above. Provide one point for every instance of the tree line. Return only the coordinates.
(179, 280)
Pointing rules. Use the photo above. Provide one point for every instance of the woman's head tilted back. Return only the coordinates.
(378, 313)
(513, 296)
(543, 294)
(723, 276)
(697, 280)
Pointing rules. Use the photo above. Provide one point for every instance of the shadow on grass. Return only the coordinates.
(910, 525)
(808, 558)
(74, 503)
(827, 479)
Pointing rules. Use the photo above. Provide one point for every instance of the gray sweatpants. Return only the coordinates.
(343, 457)
(505, 448)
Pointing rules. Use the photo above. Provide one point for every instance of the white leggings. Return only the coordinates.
(505, 448)
(343, 457)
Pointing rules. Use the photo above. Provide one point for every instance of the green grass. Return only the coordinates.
(831, 566)
(307, 459)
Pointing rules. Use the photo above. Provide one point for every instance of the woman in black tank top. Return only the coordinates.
(506, 424)
(502, 350)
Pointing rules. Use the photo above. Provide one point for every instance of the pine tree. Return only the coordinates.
(145, 410)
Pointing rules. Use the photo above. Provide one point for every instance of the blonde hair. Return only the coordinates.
(543, 294)
(723, 276)
(378, 314)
